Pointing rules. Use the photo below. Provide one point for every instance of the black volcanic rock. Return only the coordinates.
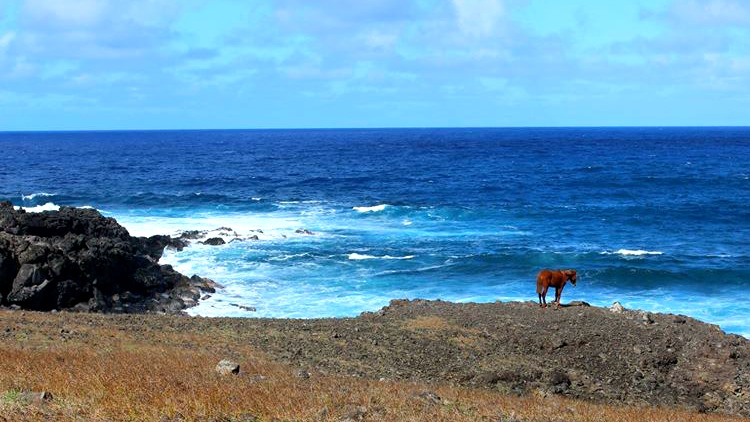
(78, 259)
(214, 241)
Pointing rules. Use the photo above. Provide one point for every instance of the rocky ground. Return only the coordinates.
(604, 355)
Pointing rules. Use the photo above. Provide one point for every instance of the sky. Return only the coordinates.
(192, 64)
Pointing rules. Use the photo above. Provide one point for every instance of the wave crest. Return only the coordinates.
(36, 195)
(633, 252)
(358, 257)
(374, 208)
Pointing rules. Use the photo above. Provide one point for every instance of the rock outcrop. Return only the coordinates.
(77, 259)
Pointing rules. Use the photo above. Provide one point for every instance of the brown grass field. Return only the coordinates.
(99, 368)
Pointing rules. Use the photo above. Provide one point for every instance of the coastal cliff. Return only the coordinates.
(77, 259)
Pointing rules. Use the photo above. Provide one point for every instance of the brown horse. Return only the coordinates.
(556, 279)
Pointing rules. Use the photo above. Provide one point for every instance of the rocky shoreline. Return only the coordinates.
(76, 259)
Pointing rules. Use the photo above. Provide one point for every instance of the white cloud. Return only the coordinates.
(479, 18)
(711, 11)
(5, 40)
(380, 39)
(78, 13)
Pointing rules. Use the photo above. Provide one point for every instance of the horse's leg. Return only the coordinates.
(544, 296)
(558, 294)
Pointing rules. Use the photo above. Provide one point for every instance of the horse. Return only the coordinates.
(556, 279)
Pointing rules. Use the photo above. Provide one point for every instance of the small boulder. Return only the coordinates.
(617, 308)
(559, 381)
(301, 373)
(34, 397)
(226, 367)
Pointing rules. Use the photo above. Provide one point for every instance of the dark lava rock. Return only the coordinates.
(79, 260)
(214, 241)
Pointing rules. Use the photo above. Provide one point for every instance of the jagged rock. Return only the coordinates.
(617, 308)
(227, 367)
(214, 241)
(79, 260)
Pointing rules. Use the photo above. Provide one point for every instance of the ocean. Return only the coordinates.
(655, 218)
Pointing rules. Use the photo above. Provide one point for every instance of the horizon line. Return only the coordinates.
(379, 128)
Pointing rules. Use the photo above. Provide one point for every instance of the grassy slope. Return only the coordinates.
(101, 367)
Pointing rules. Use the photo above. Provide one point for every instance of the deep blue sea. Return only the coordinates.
(655, 218)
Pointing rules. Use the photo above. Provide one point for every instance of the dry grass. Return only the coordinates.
(110, 371)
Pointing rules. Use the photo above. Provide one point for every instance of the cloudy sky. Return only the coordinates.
(149, 64)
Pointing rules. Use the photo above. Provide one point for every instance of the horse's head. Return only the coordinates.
(570, 275)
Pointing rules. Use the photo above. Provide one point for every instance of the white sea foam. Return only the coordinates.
(36, 195)
(375, 208)
(242, 226)
(49, 206)
(637, 252)
(358, 257)
(632, 252)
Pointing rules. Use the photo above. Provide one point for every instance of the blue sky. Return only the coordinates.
(151, 64)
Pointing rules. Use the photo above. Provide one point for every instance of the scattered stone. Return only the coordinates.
(226, 367)
(617, 308)
(647, 318)
(301, 373)
(578, 303)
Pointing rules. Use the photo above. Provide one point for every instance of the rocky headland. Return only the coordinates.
(77, 259)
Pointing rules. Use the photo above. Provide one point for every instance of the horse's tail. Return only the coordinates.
(539, 285)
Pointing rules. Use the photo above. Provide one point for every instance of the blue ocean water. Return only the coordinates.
(656, 218)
